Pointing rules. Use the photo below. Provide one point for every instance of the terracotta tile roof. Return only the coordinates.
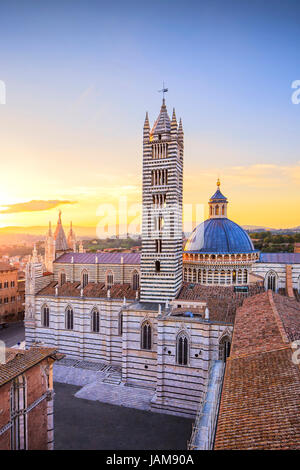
(289, 312)
(7, 267)
(255, 327)
(222, 301)
(92, 290)
(260, 404)
(18, 361)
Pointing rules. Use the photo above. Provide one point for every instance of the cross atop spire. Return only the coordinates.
(163, 91)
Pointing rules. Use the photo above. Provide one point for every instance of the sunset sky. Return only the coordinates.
(80, 76)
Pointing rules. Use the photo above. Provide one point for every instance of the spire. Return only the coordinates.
(34, 258)
(174, 123)
(180, 128)
(146, 123)
(59, 236)
(218, 183)
(146, 128)
(71, 238)
(162, 124)
(49, 230)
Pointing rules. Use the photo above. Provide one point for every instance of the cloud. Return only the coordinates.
(33, 206)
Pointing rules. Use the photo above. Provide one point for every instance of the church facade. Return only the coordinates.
(165, 316)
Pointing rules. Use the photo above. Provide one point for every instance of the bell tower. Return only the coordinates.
(161, 261)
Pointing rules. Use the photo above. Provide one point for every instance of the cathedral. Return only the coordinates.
(164, 316)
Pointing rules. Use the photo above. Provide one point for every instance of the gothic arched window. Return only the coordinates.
(135, 280)
(120, 326)
(146, 335)
(69, 318)
(109, 279)
(84, 278)
(217, 210)
(18, 405)
(182, 349)
(45, 316)
(271, 281)
(224, 348)
(62, 278)
(95, 321)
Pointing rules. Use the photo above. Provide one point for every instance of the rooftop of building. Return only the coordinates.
(91, 290)
(280, 258)
(222, 301)
(4, 267)
(19, 360)
(99, 258)
(260, 397)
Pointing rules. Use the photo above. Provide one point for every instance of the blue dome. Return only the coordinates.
(219, 236)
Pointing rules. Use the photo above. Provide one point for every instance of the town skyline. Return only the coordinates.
(72, 123)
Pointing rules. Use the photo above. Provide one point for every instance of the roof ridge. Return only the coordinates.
(235, 356)
(278, 319)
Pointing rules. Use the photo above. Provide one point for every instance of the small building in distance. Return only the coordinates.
(21, 295)
(297, 248)
(26, 399)
(11, 307)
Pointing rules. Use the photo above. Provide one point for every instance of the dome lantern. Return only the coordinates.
(218, 204)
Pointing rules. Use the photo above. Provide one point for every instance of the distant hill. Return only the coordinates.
(253, 228)
(28, 235)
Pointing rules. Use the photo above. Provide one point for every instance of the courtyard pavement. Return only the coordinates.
(90, 425)
(102, 383)
(13, 334)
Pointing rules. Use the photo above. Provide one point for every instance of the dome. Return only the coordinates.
(219, 235)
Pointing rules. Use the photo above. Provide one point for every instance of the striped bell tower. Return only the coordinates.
(161, 261)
